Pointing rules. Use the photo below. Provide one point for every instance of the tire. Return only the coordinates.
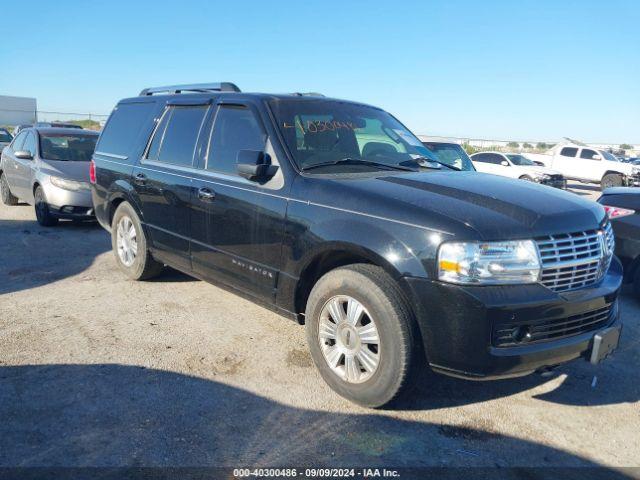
(131, 250)
(611, 180)
(41, 207)
(526, 178)
(398, 350)
(5, 191)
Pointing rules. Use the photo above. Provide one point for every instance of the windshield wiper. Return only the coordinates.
(355, 161)
(425, 161)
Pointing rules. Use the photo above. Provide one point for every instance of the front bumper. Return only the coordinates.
(459, 324)
(555, 183)
(632, 180)
(69, 204)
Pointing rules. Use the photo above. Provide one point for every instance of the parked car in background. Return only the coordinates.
(5, 138)
(589, 165)
(49, 168)
(21, 127)
(56, 125)
(514, 165)
(451, 154)
(334, 214)
(623, 207)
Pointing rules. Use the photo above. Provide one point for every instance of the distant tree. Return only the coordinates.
(626, 146)
(513, 145)
(470, 149)
(527, 145)
(542, 146)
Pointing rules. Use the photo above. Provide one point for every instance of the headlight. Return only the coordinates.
(69, 184)
(489, 263)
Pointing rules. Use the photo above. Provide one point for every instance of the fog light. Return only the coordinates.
(521, 334)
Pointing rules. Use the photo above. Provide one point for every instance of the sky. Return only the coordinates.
(525, 70)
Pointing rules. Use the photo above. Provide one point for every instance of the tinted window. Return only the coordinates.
(568, 152)
(234, 129)
(67, 147)
(520, 160)
(5, 136)
(18, 141)
(588, 154)
(488, 158)
(175, 138)
(451, 154)
(30, 144)
(321, 133)
(496, 159)
(123, 127)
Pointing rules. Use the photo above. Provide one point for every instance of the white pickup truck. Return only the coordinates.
(589, 165)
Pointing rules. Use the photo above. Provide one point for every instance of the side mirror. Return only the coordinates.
(24, 155)
(255, 165)
(504, 163)
(596, 157)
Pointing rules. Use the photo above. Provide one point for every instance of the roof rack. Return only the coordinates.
(307, 94)
(193, 88)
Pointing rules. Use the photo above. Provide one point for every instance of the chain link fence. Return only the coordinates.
(12, 118)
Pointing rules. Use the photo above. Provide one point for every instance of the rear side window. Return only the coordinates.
(235, 128)
(568, 152)
(175, 138)
(123, 128)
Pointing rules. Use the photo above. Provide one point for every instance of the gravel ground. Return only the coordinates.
(96, 370)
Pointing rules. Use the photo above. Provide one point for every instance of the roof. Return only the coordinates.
(240, 96)
(76, 131)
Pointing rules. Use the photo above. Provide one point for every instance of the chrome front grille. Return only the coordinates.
(575, 260)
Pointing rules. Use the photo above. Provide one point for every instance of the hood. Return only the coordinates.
(487, 207)
(78, 171)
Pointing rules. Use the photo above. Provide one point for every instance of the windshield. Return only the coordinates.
(451, 154)
(520, 160)
(5, 136)
(325, 131)
(608, 156)
(67, 147)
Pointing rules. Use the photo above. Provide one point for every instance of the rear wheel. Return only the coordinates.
(611, 180)
(526, 178)
(5, 191)
(362, 335)
(43, 214)
(130, 245)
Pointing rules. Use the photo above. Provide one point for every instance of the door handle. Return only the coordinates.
(140, 179)
(206, 195)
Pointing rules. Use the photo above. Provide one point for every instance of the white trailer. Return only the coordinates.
(17, 110)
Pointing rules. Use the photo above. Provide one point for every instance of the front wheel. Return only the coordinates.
(362, 334)
(130, 245)
(43, 214)
(611, 180)
(5, 191)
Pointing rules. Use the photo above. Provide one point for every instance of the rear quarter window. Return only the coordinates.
(123, 128)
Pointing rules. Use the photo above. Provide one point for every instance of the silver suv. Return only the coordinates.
(49, 168)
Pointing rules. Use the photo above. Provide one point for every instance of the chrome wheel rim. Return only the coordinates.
(126, 241)
(349, 339)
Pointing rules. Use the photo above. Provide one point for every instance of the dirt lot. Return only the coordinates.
(99, 371)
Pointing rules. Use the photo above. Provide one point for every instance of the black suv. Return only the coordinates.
(333, 213)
